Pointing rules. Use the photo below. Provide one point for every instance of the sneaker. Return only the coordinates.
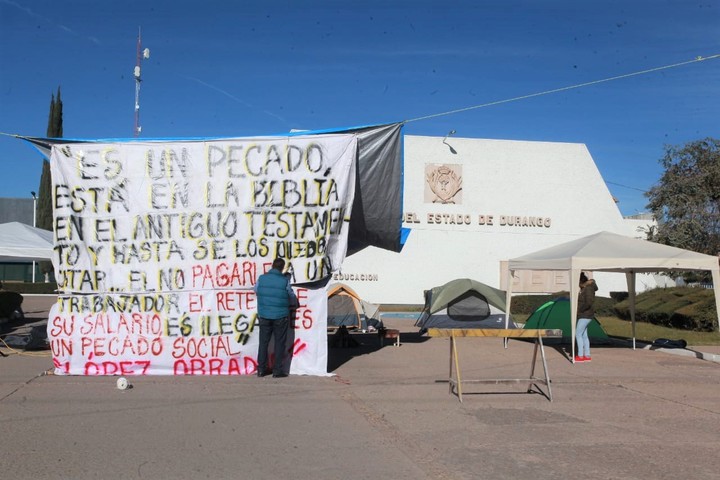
(587, 359)
(579, 359)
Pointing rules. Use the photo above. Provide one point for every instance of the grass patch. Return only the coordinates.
(647, 332)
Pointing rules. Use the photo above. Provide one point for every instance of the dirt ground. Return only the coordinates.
(386, 413)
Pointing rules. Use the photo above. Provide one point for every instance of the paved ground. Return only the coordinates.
(385, 414)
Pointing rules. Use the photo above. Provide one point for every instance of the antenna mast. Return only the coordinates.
(141, 55)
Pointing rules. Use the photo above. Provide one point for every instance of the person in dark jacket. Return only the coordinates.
(275, 299)
(585, 314)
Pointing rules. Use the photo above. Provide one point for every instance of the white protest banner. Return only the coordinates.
(159, 245)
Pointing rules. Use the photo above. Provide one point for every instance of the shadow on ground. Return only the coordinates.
(28, 333)
(366, 343)
(564, 348)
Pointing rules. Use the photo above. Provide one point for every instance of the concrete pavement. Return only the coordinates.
(385, 414)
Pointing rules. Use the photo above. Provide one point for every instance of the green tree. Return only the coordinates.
(54, 130)
(686, 200)
(55, 118)
(44, 201)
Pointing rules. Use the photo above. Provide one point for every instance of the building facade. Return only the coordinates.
(472, 204)
(17, 210)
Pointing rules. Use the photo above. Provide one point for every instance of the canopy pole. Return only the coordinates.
(574, 290)
(716, 290)
(508, 300)
(630, 277)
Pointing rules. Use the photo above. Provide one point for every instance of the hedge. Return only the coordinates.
(29, 287)
(683, 308)
(527, 304)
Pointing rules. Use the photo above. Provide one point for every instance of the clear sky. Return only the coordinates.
(239, 68)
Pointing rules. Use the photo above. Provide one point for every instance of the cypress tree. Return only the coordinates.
(51, 114)
(44, 201)
(55, 121)
(54, 130)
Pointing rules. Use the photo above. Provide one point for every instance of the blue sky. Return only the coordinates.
(221, 68)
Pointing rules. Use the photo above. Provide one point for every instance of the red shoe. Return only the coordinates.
(587, 359)
(579, 359)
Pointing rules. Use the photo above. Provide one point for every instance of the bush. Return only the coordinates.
(681, 308)
(527, 304)
(604, 307)
(30, 288)
(619, 296)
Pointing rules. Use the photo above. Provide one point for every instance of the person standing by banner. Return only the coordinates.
(275, 298)
(585, 314)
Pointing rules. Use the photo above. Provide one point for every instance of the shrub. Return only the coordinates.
(619, 296)
(527, 304)
(30, 288)
(604, 307)
(681, 308)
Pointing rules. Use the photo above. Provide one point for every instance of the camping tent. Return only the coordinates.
(610, 252)
(23, 243)
(464, 303)
(346, 308)
(555, 314)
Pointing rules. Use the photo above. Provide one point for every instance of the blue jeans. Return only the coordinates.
(581, 335)
(279, 329)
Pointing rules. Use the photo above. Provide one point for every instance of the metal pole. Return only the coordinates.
(142, 54)
(34, 225)
(136, 73)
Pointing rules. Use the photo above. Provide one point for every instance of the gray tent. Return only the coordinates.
(346, 308)
(464, 303)
(20, 243)
(23, 243)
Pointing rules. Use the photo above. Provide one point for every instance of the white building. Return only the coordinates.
(472, 204)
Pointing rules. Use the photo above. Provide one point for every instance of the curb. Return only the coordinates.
(685, 352)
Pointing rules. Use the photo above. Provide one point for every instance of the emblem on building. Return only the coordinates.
(443, 184)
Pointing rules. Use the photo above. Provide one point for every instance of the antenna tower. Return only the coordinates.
(141, 55)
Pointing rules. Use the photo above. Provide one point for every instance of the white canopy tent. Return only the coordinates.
(23, 243)
(610, 252)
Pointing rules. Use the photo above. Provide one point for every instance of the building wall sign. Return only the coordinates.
(411, 219)
(355, 277)
(443, 184)
(480, 203)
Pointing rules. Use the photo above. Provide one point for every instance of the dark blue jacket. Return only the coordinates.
(272, 295)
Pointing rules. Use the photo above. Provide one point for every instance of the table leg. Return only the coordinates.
(457, 368)
(452, 360)
(547, 375)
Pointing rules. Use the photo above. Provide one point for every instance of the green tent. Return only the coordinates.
(556, 314)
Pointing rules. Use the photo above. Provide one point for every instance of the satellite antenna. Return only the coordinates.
(141, 55)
